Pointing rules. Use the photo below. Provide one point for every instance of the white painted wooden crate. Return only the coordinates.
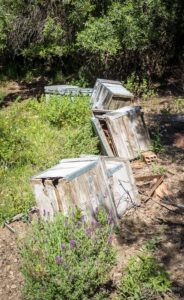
(88, 183)
(66, 90)
(122, 132)
(80, 182)
(110, 94)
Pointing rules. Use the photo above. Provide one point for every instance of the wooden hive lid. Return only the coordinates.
(69, 169)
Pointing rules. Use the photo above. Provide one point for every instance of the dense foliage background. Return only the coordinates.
(83, 39)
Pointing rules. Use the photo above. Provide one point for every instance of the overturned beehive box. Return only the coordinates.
(122, 133)
(80, 182)
(109, 94)
(87, 183)
(66, 90)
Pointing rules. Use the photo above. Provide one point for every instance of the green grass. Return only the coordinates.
(2, 95)
(144, 278)
(34, 136)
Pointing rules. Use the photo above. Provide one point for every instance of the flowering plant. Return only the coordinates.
(69, 258)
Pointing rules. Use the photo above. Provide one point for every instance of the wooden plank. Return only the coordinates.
(103, 141)
(121, 143)
(43, 201)
(148, 177)
(122, 184)
(156, 185)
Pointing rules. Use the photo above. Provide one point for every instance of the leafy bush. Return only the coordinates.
(34, 136)
(68, 259)
(156, 143)
(143, 279)
(140, 88)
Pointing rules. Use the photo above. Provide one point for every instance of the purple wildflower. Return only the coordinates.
(88, 231)
(48, 214)
(110, 219)
(63, 247)
(94, 223)
(78, 225)
(95, 238)
(44, 212)
(82, 218)
(86, 258)
(59, 260)
(110, 239)
(72, 244)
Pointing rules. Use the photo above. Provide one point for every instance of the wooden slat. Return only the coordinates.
(104, 143)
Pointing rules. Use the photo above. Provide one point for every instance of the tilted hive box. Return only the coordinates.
(109, 94)
(123, 132)
(87, 183)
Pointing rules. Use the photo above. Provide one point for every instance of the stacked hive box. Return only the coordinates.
(109, 94)
(93, 181)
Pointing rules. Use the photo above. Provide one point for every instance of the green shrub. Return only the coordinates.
(143, 279)
(34, 136)
(140, 88)
(68, 259)
(156, 143)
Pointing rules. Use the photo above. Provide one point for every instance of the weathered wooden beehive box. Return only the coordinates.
(66, 90)
(87, 183)
(109, 94)
(122, 133)
(80, 182)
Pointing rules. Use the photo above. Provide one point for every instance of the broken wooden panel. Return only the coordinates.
(80, 182)
(124, 131)
(109, 94)
(45, 197)
(105, 144)
(122, 184)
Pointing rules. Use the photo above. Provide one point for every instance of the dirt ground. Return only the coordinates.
(138, 226)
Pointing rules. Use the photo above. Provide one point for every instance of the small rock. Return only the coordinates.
(13, 286)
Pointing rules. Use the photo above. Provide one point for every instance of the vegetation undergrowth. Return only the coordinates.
(144, 277)
(2, 95)
(34, 135)
(140, 88)
(156, 144)
(68, 259)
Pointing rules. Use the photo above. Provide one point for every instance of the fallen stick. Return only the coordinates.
(168, 222)
(10, 228)
(156, 185)
(151, 198)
